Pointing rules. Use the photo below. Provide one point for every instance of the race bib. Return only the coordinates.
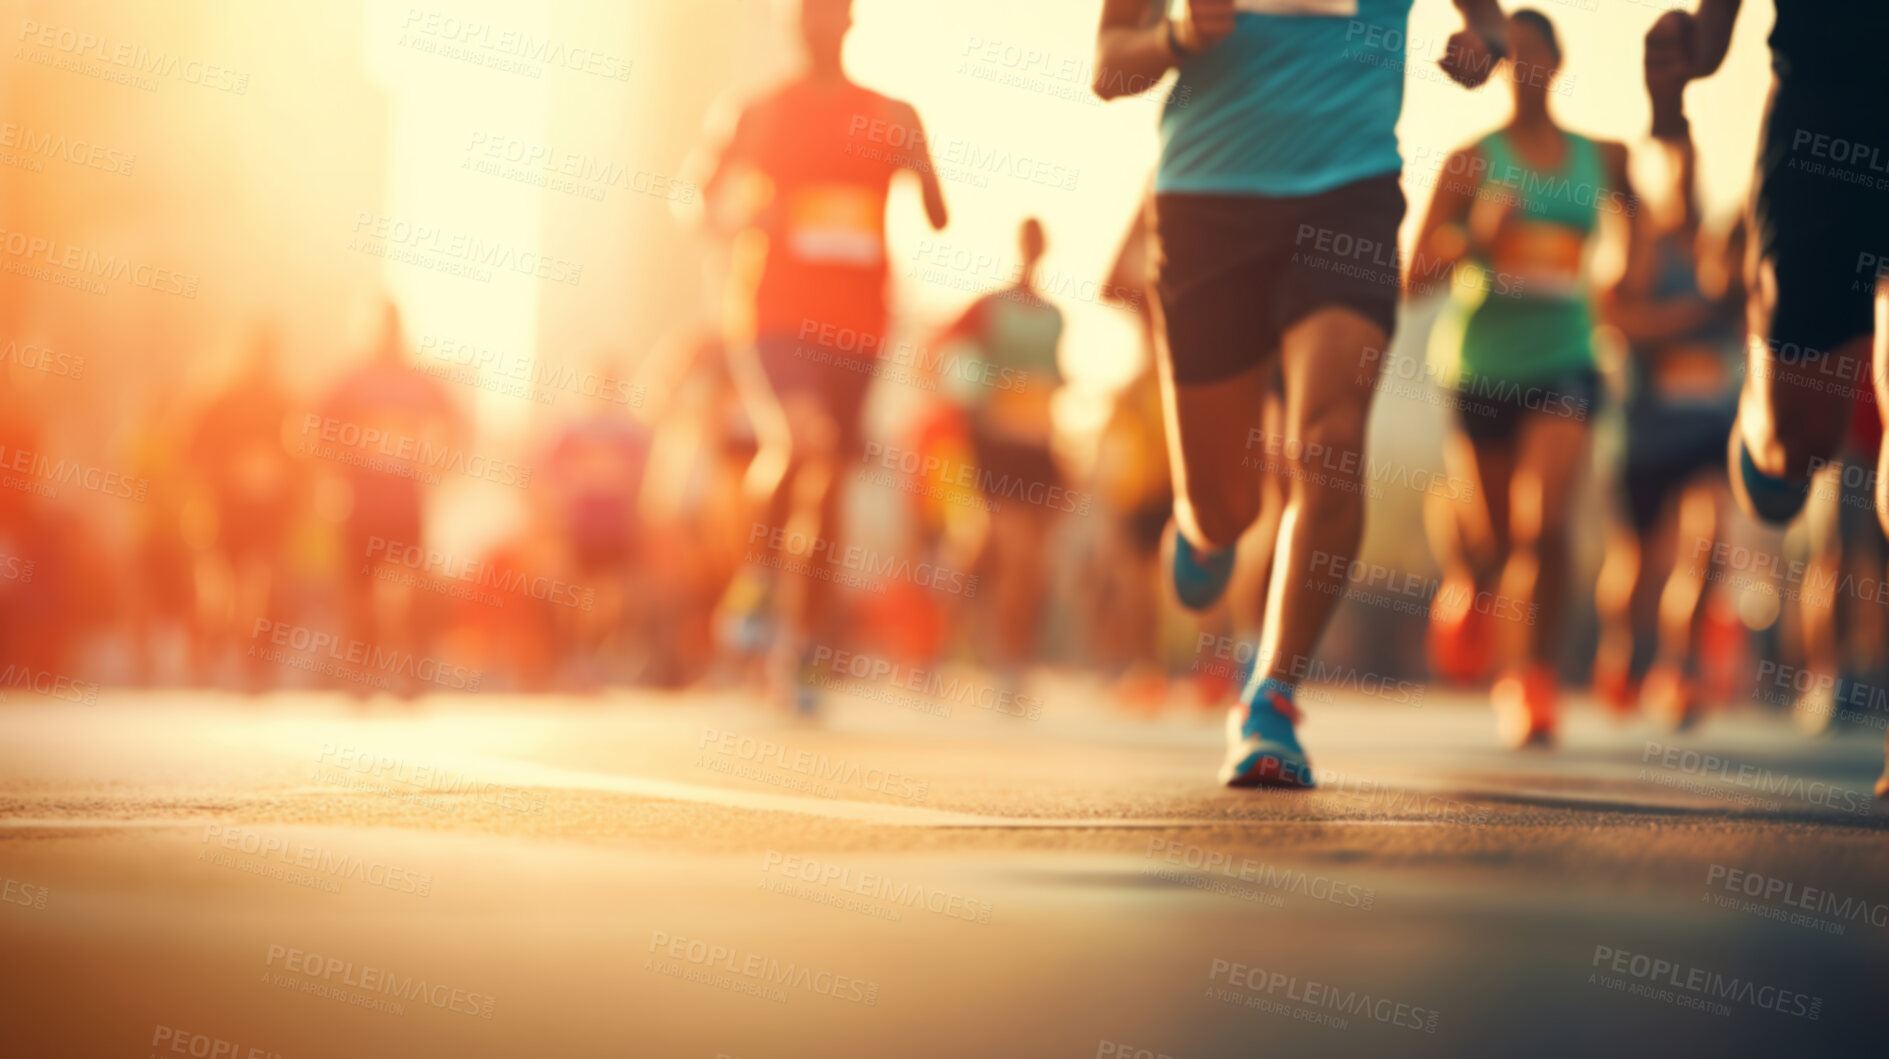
(1545, 257)
(1690, 372)
(836, 224)
(1021, 414)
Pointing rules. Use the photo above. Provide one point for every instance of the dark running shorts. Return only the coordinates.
(1493, 410)
(1821, 209)
(1015, 469)
(1233, 272)
(1668, 444)
(837, 381)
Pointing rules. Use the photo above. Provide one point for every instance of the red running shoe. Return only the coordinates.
(1458, 639)
(1527, 705)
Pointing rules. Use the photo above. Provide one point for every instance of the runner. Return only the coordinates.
(700, 447)
(1511, 238)
(1681, 309)
(253, 483)
(1279, 164)
(595, 468)
(1012, 336)
(1130, 476)
(375, 432)
(805, 174)
(1840, 633)
(1821, 225)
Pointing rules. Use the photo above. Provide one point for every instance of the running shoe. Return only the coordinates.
(1458, 641)
(744, 621)
(1815, 709)
(1262, 747)
(794, 683)
(1773, 500)
(1615, 687)
(1671, 697)
(1526, 707)
(1200, 578)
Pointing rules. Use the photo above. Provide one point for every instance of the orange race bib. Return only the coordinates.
(1689, 371)
(1545, 258)
(1021, 414)
(837, 224)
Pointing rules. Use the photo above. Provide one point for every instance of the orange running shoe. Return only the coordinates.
(1615, 687)
(1671, 698)
(1527, 705)
(1458, 639)
(1724, 643)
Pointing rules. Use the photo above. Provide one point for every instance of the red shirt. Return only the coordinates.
(829, 150)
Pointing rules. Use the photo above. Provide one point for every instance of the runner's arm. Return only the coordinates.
(1645, 320)
(1622, 204)
(1136, 45)
(1712, 35)
(725, 151)
(926, 167)
(1471, 53)
(1628, 302)
(1443, 238)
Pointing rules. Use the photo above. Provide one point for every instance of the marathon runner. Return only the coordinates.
(801, 184)
(1680, 307)
(1509, 229)
(1275, 230)
(1820, 223)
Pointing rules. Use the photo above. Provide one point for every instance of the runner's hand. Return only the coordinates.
(1466, 58)
(1670, 64)
(1201, 24)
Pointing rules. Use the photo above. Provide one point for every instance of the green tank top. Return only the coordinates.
(1521, 310)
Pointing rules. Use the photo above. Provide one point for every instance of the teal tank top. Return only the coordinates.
(1302, 98)
(1522, 310)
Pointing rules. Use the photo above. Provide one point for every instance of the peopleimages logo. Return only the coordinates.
(204, 1046)
(325, 649)
(877, 887)
(762, 752)
(757, 973)
(1785, 892)
(1705, 986)
(1258, 873)
(482, 574)
(374, 980)
(18, 676)
(1288, 991)
(854, 565)
(324, 865)
(931, 683)
(1756, 778)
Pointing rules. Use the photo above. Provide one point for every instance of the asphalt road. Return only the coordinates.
(643, 875)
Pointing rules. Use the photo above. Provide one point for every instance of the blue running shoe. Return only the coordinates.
(1262, 748)
(808, 682)
(1775, 500)
(1199, 579)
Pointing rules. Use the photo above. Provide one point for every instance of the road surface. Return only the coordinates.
(688, 875)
